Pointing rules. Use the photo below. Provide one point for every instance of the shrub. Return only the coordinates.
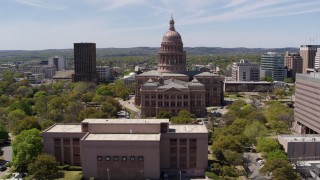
(74, 168)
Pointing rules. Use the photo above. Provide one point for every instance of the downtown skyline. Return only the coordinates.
(44, 24)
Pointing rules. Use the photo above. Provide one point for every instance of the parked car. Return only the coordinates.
(3, 168)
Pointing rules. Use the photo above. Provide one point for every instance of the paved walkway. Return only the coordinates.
(129, 104)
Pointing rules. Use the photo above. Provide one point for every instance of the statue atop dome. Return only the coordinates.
(172, 24)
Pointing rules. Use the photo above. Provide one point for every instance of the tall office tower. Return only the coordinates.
(171, 57)
(272, 64)
(85, 63)
(308, 53)
(293, 63)
(245, 71)
(59, 62)
(307, 103)
(317, 60)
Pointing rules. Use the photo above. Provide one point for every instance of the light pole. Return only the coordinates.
(108, 173)
(180, 174)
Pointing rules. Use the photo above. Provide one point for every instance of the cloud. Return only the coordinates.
(114, 4)
(243, 9)
(39, 4)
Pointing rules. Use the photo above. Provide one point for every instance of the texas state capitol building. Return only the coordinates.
(171, 87)
(130, 148)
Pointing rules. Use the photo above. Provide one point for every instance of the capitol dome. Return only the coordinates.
(172, 35)
(171, 57)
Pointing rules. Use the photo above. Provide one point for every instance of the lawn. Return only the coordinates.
(63, 175)
(71, 175)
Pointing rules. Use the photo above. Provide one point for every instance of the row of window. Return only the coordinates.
(173, 96)
(123, 158)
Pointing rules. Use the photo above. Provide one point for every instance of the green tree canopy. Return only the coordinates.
(164, 115)
(277, 154)
(232, 157)
(29, 122)
(184, 117)
(25, 148)
(4, 135)
(267, 145)
(254, 131)
(43, 166)
(281, 169)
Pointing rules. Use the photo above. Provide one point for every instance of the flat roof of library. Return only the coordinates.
(70, 128)
(126, 121)
(123, 137)
(189, 128)
(301, 138)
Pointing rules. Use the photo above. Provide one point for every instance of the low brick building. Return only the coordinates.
(130, 148)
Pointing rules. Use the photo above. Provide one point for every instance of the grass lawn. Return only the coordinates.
(71, 175)
(63, 175)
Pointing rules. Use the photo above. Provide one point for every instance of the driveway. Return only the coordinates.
(7, 156)
(254, 167)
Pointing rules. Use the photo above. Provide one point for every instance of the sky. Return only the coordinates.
(57, 24)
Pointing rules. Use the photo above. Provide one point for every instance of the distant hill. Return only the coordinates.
(22, 55)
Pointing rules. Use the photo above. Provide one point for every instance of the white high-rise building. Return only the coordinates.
(105, 73)
(317, 59)
(59, 62)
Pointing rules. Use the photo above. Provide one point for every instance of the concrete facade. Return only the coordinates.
(308, 53)
(307, 103)
(301, 147)
(245, 86)
(58, 62)
(245, 71)
(105, 74)
(293, 63)
(130, 148)
(317, 60)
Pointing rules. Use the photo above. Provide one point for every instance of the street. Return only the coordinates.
(254, 167)
(7, 156)
(129, 104)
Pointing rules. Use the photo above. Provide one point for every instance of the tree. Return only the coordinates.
(257, 116)
(268, 78)
(255, 130)
(280, 92)
(14, 117)
(229, 117)
(281, 169)
(4, 135)
(277, 154)
(223, 142)
(288, 80)
(164, 115)
(232, 157)
(184, 117)
(267, 145)
(26, 123)
(236, 105)
(43, 167)
(25, 148)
